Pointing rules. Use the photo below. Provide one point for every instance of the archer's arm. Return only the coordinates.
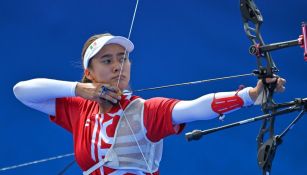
(40, 93)
(202, 108)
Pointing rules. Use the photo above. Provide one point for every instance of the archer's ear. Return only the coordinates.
(88, 74)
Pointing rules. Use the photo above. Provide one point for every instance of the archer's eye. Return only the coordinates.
(106, 61)
(123, 59)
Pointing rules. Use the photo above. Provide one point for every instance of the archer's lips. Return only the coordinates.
(117, 78)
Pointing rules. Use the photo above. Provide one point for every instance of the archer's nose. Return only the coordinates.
(117, 66)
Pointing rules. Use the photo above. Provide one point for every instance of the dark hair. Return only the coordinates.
(85, 46)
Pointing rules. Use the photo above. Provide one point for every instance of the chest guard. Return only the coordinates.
(131, 148)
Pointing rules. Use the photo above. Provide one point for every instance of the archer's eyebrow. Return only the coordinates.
(121, 53)
(110, 55)
(106, 56)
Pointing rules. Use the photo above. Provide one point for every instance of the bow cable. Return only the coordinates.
(36, 162)
(194, 82)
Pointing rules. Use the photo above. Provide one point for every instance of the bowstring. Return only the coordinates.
(118, 81)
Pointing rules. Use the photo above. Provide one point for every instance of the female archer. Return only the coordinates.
(115, 132)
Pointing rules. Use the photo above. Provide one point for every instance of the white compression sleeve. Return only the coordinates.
(200, 108)
(40, 93)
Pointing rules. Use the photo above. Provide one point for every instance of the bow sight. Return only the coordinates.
(252, 20)
(251, 14)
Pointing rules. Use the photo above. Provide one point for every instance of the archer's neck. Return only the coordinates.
(105, 107)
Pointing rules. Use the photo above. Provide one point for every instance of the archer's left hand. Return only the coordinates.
(256, 91)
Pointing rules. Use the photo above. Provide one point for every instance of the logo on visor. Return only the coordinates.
(93, 45)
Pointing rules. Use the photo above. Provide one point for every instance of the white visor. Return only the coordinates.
(95, 47)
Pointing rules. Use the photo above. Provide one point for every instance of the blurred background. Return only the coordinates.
(175, 41)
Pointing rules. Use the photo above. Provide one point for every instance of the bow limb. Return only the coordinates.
(252, 20)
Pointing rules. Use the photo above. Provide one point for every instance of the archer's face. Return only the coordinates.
(106, 65)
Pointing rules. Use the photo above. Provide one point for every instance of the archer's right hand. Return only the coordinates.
(98, 92)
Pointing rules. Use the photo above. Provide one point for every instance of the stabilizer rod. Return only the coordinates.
(297, 104)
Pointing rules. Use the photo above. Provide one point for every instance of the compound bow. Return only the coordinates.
(252, 20)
